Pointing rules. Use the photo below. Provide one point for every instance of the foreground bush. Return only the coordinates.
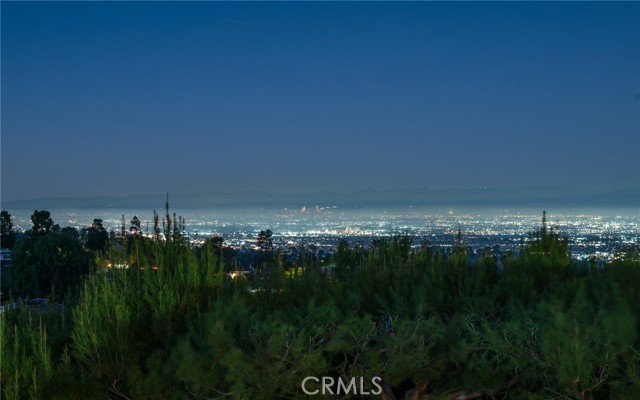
(430, 326)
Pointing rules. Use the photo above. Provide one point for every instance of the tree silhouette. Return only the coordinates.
(135, 225)
(156, 226)
(97, 236)
(7, 234)
(123, 229)
(42, 223)
(264, 240)
(215, 241)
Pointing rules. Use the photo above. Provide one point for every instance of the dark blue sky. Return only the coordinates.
(123, 98)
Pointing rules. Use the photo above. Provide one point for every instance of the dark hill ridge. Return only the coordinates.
(534, 196)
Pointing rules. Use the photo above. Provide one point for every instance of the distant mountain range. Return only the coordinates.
(533, 196)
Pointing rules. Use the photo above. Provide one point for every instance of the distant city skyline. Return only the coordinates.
(119, 98)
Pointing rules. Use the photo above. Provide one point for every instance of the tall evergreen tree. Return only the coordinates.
(135, 225)
(156, 227)
(97, 236)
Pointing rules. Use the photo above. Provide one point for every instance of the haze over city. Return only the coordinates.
(115, 98)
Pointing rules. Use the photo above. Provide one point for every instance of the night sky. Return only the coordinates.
(115, 98)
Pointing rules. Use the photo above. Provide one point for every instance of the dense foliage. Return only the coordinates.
(430, 324)
(54, 264)
(7, 234)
